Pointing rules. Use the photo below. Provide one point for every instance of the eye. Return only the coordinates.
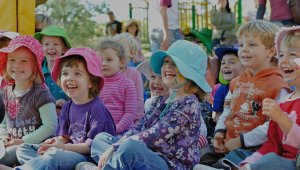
(280, 55)
(64, 73)
(24, 61)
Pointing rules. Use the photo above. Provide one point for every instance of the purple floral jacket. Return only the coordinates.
(175, 136)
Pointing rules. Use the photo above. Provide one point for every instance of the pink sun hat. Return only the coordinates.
(92, 59)
(24, 41)
(281, 33)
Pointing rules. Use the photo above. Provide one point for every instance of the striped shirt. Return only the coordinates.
(119, 96)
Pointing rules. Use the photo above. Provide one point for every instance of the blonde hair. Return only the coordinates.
(127, 40)
(291, 39)
(265, 30)
(110, 43)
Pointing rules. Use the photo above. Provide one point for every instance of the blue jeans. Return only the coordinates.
(131, 154)
(9, 158)
(53, 158)
(274, 162)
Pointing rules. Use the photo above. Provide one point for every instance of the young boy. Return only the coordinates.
(55, 43)
(242, 123)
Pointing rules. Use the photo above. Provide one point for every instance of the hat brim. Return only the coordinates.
(57, 67)
(156, 62)
(145, 68)
(221, 51)
(39, 35)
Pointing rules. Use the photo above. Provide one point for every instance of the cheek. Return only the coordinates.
(151, 85)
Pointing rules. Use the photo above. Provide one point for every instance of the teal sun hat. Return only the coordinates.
(190, 60)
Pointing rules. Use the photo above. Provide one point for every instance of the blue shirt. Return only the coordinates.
(220, 97)
(55, 90)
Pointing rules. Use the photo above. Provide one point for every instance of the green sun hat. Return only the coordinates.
(54, 31)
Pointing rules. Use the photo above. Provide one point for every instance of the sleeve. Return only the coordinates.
(261, 9)
(273, 143)
(3, 129)
(100, 121)
(119, 27)
(255, 137)
(140, 95)
(293, 137)
(170, 125)
(47, 129)
(63, 121)
(130, 108)
(167, 3)
(219, 99)
(43, 96)
(221, 127)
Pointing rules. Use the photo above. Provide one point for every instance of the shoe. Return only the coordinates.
(86, 166)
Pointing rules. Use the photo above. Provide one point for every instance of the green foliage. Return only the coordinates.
(76, 17)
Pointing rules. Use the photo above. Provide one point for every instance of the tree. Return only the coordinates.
(76, 18)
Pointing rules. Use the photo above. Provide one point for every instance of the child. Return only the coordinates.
(118, 94)
(6, 36)
(281, 149)
(132, 28)
(156, 85)
(158, 88)
(242, 124)
(81, 118)
(230, 68)
(29, 107)
(55, 43)
(130, 51)
(167, 136)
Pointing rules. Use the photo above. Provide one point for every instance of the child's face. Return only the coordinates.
(231, 67)
(157, 86)
(75, 83)
(170, 74)
(132, 28)
(111, 63)
(286, 64)
(53, 47)
(20, 64)
(253, 54)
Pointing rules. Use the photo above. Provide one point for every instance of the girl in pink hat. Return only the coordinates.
(29, 107)
(81, 118)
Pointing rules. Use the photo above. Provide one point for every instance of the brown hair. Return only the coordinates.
(75, 60)
(192, 87)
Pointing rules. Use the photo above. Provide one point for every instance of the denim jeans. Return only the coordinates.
(9, 158)
(156, 38)
(53, 158)
(131, 154)
(274, 162)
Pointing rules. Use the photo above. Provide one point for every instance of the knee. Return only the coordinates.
(131, 147)
(103, 136)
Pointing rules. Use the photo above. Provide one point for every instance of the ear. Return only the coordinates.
(272, 52)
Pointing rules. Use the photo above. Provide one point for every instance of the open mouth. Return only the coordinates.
(169, 74)
(226, 72)
(287, 70)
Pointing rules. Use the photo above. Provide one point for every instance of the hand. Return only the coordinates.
(57, 143)
(219, 142)
(105, 156)
(233, 144)
(43, 149)
(271, 109)
(14, 142)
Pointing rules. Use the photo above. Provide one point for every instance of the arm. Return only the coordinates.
(255, 137)
(3, 130)
(163, 11)
(130, 108)
(140, 95)
(293, 136)
(49, 124)
(221, 122)
(261, 9)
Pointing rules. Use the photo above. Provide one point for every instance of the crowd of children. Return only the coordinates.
(83, 108)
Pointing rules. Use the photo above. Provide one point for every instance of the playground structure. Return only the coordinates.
(18, 15)
(194, 20)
